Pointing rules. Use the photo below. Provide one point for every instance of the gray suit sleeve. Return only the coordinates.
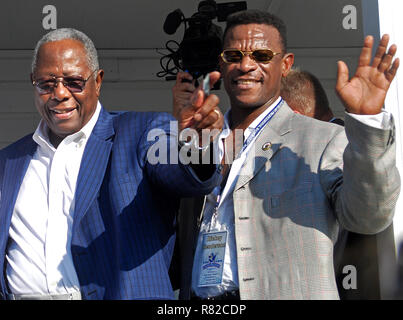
(362, 183)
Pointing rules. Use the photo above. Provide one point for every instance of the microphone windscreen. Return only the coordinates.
(172, 22)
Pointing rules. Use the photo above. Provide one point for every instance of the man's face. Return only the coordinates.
(63, 111)
(251, 84)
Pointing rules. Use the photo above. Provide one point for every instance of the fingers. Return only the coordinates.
(195, 109)
(184, 83)
(213, 120)
(182, 93)
(383, 59)
(206, 107)
(198, 95)
(342, 75)
(201, 114)
(214, 77)
(390, 74)
(197, 99)
(366, 52)
(186, 87)
(183, 77)
(380, 51)
(387, 59)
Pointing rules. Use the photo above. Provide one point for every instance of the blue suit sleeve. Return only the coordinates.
(159, 151)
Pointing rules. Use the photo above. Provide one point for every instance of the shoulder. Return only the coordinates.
(20, 146)
(142, 119)
(18, 149)
(303, 126)
(314, 127)
(311, 138)
(132, 127)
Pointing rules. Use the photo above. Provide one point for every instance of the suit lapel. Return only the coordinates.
(93, 165)
(14, 171)
(266, 145)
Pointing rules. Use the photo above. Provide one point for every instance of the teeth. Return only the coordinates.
(63, 111)
(245, 81)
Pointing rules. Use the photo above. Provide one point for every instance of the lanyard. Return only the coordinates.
(246, 143)
(260, 126)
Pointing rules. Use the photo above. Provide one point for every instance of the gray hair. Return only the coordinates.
(69, 33)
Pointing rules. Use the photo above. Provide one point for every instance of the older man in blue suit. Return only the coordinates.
(83, 214)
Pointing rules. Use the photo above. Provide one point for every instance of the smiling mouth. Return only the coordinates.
(63, 111)
(63, 114)
(246, 83)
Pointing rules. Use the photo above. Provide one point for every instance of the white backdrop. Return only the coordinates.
(391, 22)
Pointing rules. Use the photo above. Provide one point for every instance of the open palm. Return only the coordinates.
(365, 92)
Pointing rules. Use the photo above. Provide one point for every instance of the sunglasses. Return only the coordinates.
(259, 55)
(71, 83)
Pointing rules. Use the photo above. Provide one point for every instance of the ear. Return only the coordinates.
(98, 81)
(287, 62)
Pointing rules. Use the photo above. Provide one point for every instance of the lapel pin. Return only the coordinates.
(266, 146)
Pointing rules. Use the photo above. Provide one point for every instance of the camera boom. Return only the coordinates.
(202, 42)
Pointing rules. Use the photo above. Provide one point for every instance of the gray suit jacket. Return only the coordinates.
(292, 200)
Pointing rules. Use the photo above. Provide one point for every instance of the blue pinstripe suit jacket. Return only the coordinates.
(124, 222)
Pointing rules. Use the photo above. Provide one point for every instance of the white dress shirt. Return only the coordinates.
(38, 256)
(225, 220)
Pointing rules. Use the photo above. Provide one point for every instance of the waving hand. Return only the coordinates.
(365, 92)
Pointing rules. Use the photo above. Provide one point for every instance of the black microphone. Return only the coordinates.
(172, 22)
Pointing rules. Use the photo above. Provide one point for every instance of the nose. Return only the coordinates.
(60, 92)
(247, 64)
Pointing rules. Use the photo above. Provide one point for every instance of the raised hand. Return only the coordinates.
(182, 92)
(191, 108)
(365, 92)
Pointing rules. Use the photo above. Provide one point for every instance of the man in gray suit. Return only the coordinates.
(304, 94)
(269, 230)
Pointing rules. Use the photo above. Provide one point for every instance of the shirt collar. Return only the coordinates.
(41, 134)
(226, 129)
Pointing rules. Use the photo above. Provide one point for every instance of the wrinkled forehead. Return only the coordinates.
(64, 55)
(252, 36)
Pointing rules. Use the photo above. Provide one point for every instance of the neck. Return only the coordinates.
(326, 117)
(54, 139)
(241, 117)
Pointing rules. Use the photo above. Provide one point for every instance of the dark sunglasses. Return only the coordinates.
(71, 83)
(259, 55)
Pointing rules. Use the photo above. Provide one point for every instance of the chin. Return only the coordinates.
(64, 131)
(246, 104)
